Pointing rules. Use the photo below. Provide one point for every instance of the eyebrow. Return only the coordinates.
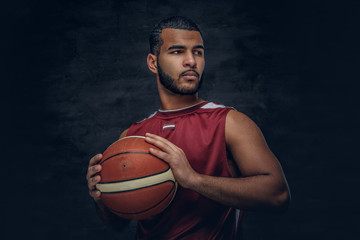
(183, 47)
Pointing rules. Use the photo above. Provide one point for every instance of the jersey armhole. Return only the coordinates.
(231, 165)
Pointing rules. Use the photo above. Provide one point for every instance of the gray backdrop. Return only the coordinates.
(75, 76)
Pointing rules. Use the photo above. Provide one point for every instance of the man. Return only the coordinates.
(218, 155)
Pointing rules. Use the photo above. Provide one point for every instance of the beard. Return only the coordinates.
(170, 83)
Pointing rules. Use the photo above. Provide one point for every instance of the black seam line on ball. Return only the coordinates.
(123, 153)
(171, 190)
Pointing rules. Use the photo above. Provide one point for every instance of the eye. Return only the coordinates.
(176, 52)
(197, 52)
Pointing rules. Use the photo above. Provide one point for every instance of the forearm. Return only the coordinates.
(263, 187)
(110, 218)
(260, 192)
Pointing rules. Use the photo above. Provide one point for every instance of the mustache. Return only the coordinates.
(184, 73)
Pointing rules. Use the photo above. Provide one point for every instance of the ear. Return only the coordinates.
(152, 63)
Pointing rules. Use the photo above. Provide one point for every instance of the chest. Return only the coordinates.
(202, 138)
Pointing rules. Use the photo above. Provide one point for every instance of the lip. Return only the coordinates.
(190, 78)
(190, 75)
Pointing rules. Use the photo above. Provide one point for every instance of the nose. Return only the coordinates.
(189, 60)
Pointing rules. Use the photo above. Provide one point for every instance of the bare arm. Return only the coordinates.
(93, 178)
(262, 185)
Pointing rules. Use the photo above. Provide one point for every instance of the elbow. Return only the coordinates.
(281, 201)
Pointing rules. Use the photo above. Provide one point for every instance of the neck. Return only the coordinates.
(180, 101)
(171, 101)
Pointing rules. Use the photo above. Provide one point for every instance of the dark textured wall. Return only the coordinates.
(76, 76)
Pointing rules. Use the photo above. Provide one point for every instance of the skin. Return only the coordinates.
(262, 185)
(181, 51)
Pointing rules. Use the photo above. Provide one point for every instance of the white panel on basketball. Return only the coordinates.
(129, 185)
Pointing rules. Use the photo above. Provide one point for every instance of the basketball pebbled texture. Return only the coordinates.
(134, 183)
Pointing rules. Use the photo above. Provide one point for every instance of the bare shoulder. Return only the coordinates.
(247, 146)
(239, 125)
(238, 117)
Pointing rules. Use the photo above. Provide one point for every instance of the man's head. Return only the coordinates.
(177, 55)
(176, 22)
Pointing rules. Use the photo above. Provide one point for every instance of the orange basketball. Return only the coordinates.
(134, 183)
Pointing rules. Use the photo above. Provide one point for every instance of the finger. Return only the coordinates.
(94, 168)
(95, 159)
(160, 154)
(160, 142)
(95, 194)
(93, 181)
(92, 171)
(93, 191)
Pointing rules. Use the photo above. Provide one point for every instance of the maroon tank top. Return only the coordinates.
(199, 131)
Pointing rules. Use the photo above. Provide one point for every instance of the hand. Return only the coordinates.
(175, 157)
(93, 178)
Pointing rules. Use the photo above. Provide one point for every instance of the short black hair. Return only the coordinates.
(175, 22)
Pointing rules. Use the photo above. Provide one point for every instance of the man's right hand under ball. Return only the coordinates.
(93, 177)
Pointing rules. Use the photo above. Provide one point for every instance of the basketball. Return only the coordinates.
(134, 183)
